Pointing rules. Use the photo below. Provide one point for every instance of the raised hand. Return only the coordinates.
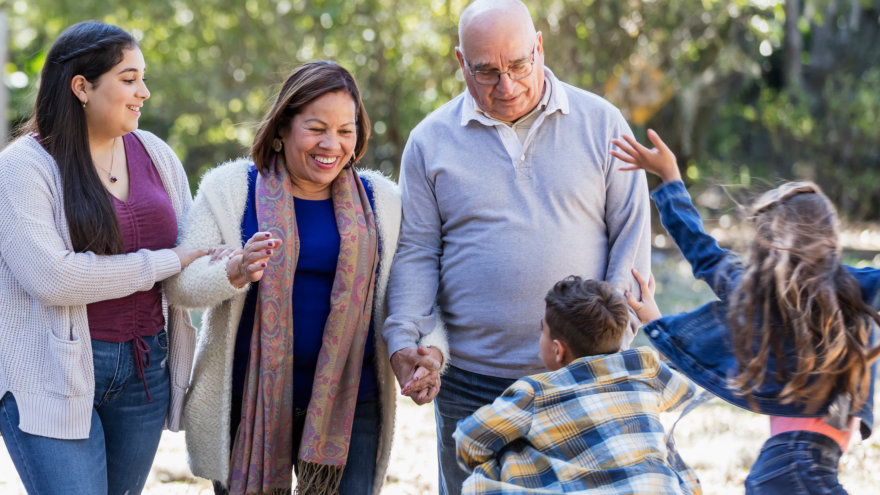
(248, 265)
(659, 160)
(646, 308)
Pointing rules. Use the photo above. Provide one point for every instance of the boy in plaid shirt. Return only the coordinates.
(592, 422)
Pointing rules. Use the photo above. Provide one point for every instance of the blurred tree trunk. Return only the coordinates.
(793, 45)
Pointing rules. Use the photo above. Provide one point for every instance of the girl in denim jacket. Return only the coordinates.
(791, 335)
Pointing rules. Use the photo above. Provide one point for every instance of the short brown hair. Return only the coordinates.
(588, 315)
(305, 84)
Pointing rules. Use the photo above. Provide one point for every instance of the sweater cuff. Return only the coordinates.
(166, 263)
(400, 338)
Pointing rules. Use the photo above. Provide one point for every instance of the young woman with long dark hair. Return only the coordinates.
(92, 361)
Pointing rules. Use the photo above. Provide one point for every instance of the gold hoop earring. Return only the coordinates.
(277, 145)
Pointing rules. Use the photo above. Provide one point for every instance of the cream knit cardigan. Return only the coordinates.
(215, 218)
(45, 346)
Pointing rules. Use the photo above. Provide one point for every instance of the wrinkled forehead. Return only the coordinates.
(489, 37)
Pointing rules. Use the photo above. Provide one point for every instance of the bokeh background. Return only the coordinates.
(746, 92)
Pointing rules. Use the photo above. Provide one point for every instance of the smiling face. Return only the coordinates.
(115, 99)
(318, 142)
(491, 41)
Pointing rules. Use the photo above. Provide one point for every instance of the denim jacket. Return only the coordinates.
(698, 343)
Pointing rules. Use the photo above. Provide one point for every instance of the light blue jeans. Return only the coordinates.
(796, 463)
(124, 434)
(461, 394)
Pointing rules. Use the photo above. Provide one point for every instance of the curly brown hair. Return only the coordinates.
(795, 290)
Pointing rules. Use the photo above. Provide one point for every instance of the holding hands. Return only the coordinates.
(659, 160)
(418, 372)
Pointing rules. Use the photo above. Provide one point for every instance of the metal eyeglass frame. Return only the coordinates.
(498, 73)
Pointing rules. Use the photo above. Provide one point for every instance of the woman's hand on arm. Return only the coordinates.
(248, 265)
(220, 252)
(188, 254)
(659, 160)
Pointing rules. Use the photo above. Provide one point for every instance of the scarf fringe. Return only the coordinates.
(318, 479)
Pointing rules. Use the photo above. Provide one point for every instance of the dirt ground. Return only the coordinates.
(718, 440)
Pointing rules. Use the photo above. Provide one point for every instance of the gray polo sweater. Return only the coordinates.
(491, 223)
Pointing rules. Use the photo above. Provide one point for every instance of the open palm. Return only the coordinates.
(659, 160)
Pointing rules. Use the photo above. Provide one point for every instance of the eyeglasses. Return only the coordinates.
(515, 72)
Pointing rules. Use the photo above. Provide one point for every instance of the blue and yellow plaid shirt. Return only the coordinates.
(592, 425)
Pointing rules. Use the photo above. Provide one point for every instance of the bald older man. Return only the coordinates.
(507, 189)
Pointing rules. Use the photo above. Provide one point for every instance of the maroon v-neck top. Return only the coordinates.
(146, 221)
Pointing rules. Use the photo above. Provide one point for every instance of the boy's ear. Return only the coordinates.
(561, 352)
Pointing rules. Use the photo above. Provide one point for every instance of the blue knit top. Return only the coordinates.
(313, 282)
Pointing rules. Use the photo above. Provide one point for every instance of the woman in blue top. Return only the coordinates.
(792, 335)
(289, 373)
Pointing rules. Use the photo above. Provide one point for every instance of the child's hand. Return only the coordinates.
(658, 160)
(646, 309)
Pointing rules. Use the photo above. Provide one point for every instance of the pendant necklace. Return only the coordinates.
(112, 178)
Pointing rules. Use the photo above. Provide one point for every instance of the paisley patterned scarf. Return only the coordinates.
(261, 454)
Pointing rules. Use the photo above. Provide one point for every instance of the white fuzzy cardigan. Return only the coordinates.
(214, 219)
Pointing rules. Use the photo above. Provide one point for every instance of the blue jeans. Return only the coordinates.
(796, 463)
(123, 437)
(360, 466)
(461, 394)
